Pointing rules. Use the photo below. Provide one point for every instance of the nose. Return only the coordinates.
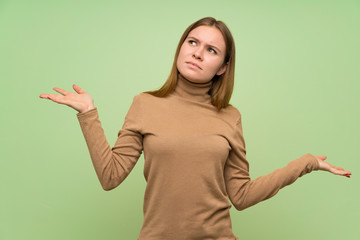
(198, 53)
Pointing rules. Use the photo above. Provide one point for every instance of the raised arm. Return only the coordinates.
(112, 165)
(244, 192)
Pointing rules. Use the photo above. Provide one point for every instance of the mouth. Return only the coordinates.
(194, 64)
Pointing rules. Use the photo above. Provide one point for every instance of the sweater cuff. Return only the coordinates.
(313, 161)
(87, 114)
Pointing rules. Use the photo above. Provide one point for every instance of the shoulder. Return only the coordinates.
(143, 96)
(231, 113)
(146, 101)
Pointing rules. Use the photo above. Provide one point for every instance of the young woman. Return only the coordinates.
(194, 150)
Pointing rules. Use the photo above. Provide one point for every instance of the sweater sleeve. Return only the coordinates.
(244, 192)
(113, 165)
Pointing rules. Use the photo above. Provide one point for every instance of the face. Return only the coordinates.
(202, 54)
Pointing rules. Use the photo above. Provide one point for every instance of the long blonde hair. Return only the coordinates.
(222, 87)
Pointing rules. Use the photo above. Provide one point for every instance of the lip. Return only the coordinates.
(194, 64)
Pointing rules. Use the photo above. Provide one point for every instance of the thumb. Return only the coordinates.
(322, 157)
(78, 89)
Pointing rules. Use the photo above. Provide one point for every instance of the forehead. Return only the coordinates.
(209, 35)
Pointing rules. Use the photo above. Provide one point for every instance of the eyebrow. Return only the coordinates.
(208, 44)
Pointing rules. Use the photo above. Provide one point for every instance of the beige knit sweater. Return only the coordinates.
(195, 162)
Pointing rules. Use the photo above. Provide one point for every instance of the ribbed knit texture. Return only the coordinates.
(195, 162)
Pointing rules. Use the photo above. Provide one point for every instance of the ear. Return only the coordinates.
(222, 69)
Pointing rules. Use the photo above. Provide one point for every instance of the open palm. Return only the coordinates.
(79, 100)
(331, 168)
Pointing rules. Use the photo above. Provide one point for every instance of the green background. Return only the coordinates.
(297, 88)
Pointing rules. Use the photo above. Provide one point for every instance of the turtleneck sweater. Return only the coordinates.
(195, 163)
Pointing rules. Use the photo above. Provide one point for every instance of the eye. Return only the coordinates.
(212, 50)
(192, 42)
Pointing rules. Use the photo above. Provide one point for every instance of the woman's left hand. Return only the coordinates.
(325, 166)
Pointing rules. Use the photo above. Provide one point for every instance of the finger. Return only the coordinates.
(339, 168)
(335, 167)
(48, 96)
(61, 91)
(340, 172)
(78, 89)
(54, 97)
(322, 157)
(346, 175)
(44, 95)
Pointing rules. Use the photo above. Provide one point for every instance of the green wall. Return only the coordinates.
(297, 88)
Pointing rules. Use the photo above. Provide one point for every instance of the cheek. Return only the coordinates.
(179, 58)
(181, 53)
(179, 63)
(217, 65)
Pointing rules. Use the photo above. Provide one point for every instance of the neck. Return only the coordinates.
(193, 91)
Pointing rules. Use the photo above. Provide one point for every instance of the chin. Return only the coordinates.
(191, 77)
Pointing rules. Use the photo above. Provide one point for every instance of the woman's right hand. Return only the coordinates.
(80, 101)
(325, 166)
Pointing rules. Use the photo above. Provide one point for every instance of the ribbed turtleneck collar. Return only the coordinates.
(192, 91)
